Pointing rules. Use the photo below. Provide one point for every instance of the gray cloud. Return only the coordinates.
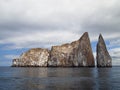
(21, 18)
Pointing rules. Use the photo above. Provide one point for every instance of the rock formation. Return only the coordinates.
(33, 57)
(77, 53)
(84, 53)
(103, 58)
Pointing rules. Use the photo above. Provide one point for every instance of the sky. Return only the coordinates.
(26, 24)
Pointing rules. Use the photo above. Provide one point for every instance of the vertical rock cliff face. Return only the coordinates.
(62, 55)
(77, 53)
(103, 58)
(84, 52)
(33, 57)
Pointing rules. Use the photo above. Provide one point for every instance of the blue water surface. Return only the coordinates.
(36, 78)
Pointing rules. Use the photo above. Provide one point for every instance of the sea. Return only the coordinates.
(59, 78)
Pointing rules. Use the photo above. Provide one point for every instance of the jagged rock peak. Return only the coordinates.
(77, 53)
(85, 34)
(103, 58)
(85, 51)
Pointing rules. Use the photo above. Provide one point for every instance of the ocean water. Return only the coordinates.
(36, 78)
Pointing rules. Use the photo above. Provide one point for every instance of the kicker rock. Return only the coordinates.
(103, 58)
(33, 57)
(77, 53)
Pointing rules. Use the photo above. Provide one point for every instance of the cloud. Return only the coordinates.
(115, 54)
(115, 42)
(39, 39)
(11, 56)
(41, 21)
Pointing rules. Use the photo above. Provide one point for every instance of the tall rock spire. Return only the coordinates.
(103, 58)
(84, 52)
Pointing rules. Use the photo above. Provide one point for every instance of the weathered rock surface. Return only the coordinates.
(33, 57)
(84, 52)
(77, 53)
(103, 58)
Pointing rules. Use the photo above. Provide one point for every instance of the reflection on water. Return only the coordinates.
(59, 78)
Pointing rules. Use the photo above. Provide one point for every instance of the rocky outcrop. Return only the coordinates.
(77, 53)
(103, 58)
(33, 57)
(62, 55)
